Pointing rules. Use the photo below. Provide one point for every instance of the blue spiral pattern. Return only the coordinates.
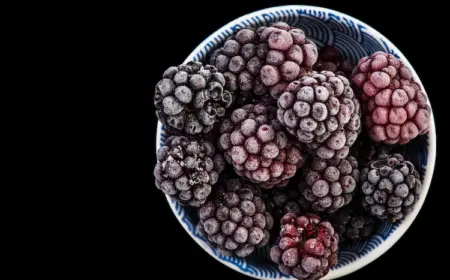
(346, 257)
(354, 42)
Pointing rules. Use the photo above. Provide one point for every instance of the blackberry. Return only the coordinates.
(330, 184)
(190, 98)
(187, 170)
(307, 247)
(289, 55)
(258, 148)
(236, 222)
(240, 59)
(394, 105)
(390, 187)
(330, 60)
(321, 110)
(352, 223)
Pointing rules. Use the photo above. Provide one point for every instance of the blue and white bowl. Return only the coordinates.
(355, 40)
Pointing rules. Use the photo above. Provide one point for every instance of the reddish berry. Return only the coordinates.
(395, 107)
(311, 252)
(289, 55)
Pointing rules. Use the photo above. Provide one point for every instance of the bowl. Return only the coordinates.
(354, 39)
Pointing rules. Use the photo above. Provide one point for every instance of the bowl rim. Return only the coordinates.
(407, 221)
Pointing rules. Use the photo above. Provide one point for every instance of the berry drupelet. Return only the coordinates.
(236, 222)
(390, 187)
(307, 247)
(394, 104)
(190, 98)
(187, 170)
(320, 109)
(258, 148)
(330, 184)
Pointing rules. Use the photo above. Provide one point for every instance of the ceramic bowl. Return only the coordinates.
(354, 39)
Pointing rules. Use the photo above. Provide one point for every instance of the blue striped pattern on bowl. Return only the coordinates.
(354, 40)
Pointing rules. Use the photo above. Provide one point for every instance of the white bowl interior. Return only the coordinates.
(354, 39)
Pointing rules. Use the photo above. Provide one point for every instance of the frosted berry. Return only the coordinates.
(390, 187)
(329, 185)
(321, 110)
(191, 98)
(236, 221)
(241, 59)
(258, 148)
(289, 56)
(188, 170)
(394, 105)
(310, 250)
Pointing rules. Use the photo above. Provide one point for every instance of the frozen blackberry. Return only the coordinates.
(307, 247)
(289, 55)
(390, 187)
(258, 148)
(330, 60)
(236, 222)
(240, 59)
(352, 223)
(330, 184)
(320, 109)
(187, 170)
(190, 98)
(394, 105)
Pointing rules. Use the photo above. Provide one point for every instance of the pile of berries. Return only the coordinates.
(275, 142)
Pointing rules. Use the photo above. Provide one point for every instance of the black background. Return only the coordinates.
(157, 42)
